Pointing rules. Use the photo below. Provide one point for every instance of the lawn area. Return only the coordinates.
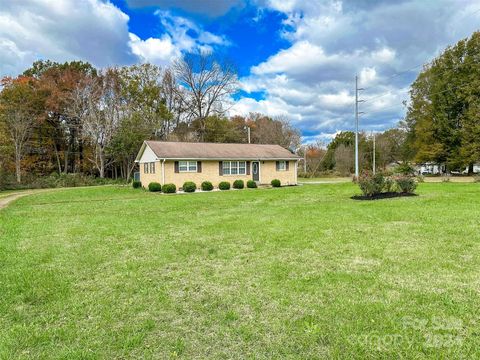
(299, 272)
(326, 179)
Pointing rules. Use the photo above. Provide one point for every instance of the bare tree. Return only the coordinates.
(103, 113)
(344, 159)
(208, 81)
(20, 106)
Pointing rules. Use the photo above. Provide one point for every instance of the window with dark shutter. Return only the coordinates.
(220, 168)
(288, 165)
(248, 167)
(277, 165)
(176, 166)
(199, 166)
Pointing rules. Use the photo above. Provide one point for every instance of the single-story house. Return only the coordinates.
(177, 162)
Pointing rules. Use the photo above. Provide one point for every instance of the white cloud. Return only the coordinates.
(312, 80)
(155, 50)
(181, 35)
(90, 30)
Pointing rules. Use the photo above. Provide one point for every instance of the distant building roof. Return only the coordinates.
(216, 151)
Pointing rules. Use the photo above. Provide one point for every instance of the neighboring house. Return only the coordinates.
(178, 162)
(431, 168)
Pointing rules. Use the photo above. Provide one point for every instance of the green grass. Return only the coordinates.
(300, 272)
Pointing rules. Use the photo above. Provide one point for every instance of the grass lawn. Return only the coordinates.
(326, 179)
(300, 272)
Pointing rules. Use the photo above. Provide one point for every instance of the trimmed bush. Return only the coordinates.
(238, 184)
(136, 184)
(251, 184)
(189, 186)
(371, 184)
(224, 185)
(276, 183)
(154, 187)
(406, 184)
(169, 188)
(207, 186)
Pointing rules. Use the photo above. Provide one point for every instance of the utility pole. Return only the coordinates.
(357, 89)
(374, 153)
(248, 132)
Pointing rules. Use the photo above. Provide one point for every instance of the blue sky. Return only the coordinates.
(296, 59)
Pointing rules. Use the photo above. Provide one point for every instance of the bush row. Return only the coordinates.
(372, 185)
(190, 186)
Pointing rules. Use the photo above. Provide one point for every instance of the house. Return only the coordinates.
(178, 162)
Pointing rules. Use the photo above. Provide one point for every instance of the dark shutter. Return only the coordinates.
(277, 164)
(199, 166)
(287, 165)
(220, 168)
(248, 167)
(176, 166)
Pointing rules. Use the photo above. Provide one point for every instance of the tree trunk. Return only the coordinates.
(102, 164)
(18, 159)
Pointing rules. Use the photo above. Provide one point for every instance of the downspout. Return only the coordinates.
(163, 172)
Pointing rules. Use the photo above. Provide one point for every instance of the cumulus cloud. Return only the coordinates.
(90, 30)
(331, 41)
(181, 35)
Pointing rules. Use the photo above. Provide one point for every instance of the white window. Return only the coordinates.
(282, 166)
(187, 166)
(152, 168)
(234, 168)
(145, 168)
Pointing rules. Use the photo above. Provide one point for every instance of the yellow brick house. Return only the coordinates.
(177, 162)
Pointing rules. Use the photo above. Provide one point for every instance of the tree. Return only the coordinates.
(21, 106)
(442, 118)
(266, 130)
(208, 82)
(344, 159)
(102, 96)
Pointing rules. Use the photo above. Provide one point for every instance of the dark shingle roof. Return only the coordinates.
(190, 150)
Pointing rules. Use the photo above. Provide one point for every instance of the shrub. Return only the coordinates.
(207, 186)
(388, 184)
(276, 183)
(189, 186)
(420, 178)
(371, 184)
(251, 184)
(224, 185)
(405, 169)
(136, 184)
(169, 188)
(406, 184)
(238, 184)
(154, 187)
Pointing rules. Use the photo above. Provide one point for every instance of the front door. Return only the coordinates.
(256, 171)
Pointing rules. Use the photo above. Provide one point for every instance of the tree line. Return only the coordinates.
(73, 118)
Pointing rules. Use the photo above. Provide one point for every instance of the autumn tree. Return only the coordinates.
(267, 130)
(21, 107)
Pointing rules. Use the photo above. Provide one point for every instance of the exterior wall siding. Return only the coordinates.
(210, 172)
(146, 179)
